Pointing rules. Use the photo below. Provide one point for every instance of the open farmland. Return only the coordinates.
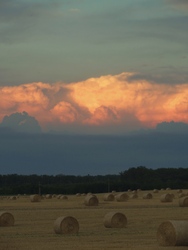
(33, 228)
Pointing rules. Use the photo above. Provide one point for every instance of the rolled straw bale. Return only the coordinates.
(115, 220)
(64, 197)
(122, 197)
(134, 192)
(173, 233)
(108, 197)
(166, 198)
(6, 219)
(168, 188)
(133, 196)
(183, 201)
(13, 198)
(91, 200)
(66, 225)
(182, 195)
(147, 196)
(48, 196)
(78, 194)
(179, 191)
(155, 191)
(35, 198)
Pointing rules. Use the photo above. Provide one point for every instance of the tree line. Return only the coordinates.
(134, 178)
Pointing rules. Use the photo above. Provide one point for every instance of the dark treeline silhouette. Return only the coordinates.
(133, 178)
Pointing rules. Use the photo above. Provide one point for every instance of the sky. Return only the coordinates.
(105, 70)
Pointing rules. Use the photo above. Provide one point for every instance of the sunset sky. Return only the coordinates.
(100, 67)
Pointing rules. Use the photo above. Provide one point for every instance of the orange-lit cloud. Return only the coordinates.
(107, 100)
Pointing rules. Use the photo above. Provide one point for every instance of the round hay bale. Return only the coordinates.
(181, 195)
(173, 233)
(78, 194)
(147, 196)
(179, 191)
(64, 197)
(183, 201)
(133, 196)
(122, 197)
(35, 198)
(48, 196)
(91, 200)
(66, 225)
(134, 192)
(166, 198)
(6, 219)
(115, 220)
(109, 197)
(155, 191)
(168, 188)
(13, 197)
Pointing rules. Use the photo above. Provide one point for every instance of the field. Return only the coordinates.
(33, 228)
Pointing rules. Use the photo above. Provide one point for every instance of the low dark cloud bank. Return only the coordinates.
(24, 149)
(81, 155)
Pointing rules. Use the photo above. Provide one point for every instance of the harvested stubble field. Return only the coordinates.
(33, 228)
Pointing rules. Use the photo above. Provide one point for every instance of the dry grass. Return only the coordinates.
(33, 227)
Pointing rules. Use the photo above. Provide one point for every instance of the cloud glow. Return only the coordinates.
(107, 100)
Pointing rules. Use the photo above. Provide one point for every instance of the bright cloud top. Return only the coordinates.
(111, 100)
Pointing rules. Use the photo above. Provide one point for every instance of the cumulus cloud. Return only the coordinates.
(111, 100)
(20, 122)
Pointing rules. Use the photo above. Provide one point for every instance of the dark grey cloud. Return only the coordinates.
(20, 122)
(172, 127)
(171, 75)
(82, 155)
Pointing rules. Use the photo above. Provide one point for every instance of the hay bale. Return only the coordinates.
(108, 197)
(173, 233)
(179, 191)
(183, 201)
(91, 200)
(134, 192)
(66, 225)
(35, 198)
(6, 219)
(64, 197)
(155, 191)
(122, 197)
(147, 196)
(166, 198)
(133, 196)
(48, 196)
(182, 195)
(13, 197)
(115, 220)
